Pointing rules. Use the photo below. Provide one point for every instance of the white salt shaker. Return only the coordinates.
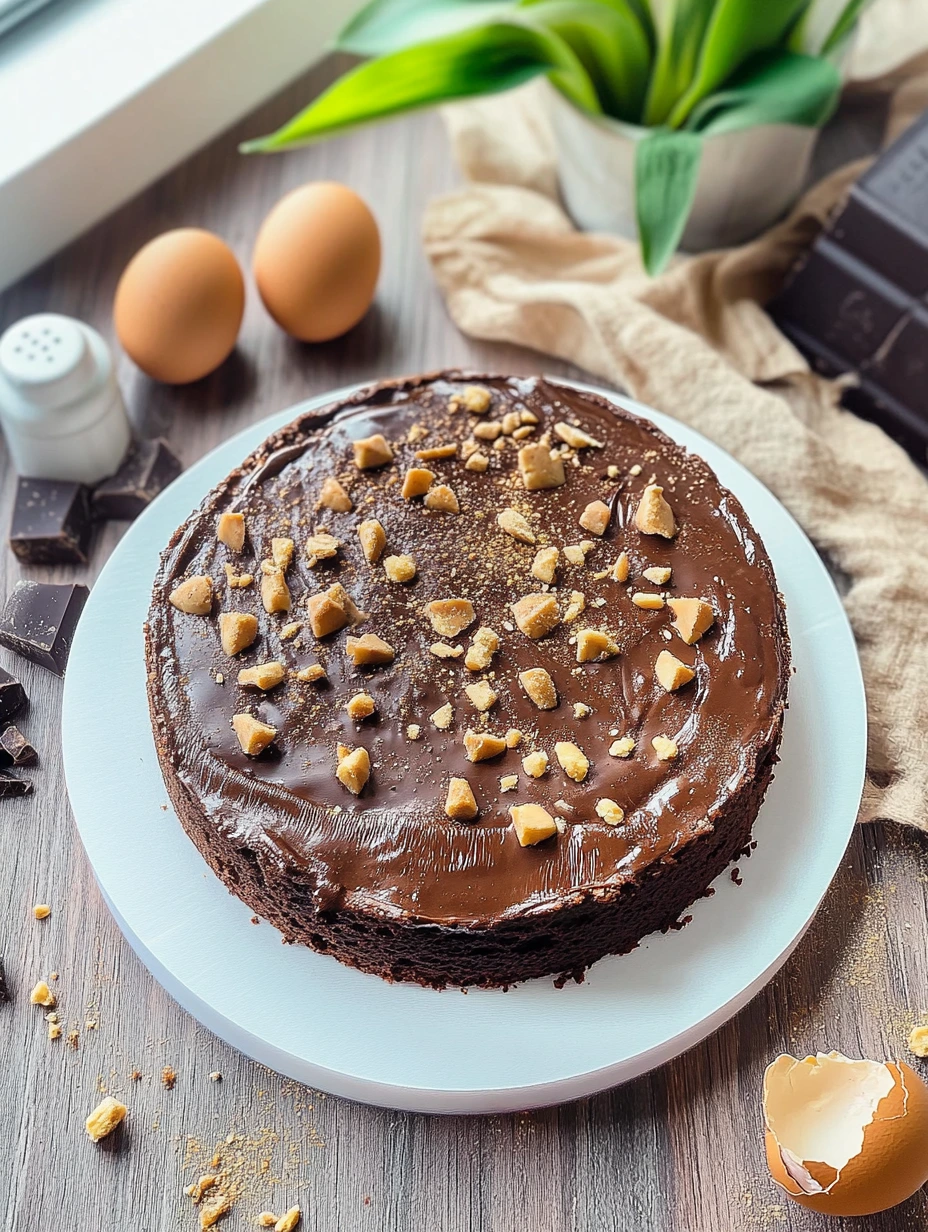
(60, 406)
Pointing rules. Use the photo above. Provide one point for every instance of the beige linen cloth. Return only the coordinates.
(696, 344)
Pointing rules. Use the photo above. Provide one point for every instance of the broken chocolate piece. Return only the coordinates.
(11, 786)
(51, 522)
(12, 696)
(146, 471)
(39, 620)
(15, 749)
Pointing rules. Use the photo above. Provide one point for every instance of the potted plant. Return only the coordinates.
(686, 120)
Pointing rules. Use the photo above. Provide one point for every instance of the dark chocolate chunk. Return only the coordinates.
(11, 786)
(39, 621)
(15, 749)
(51, 522)
(12, 696)
(4, 986)
(146, 471)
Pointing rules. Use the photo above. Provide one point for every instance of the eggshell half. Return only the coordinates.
(316, 261)
(891, 1163)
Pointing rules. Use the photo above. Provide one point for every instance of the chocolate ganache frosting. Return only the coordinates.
(654, 772)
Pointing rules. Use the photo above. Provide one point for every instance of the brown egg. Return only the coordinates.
(316, 261)
(179, 305)
(846, 1137)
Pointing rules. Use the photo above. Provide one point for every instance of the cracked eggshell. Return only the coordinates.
(846, 1137)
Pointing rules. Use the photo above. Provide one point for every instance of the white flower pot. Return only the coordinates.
(747, 179)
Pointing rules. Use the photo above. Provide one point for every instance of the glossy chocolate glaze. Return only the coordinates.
(392, 851)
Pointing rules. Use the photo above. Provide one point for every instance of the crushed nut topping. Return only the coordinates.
(275, 593)
(671, 673)
(230, 530)
(610, 812)
(544, 566)
(369, 649)
(413, 731)
(521, 434)
(490, 430)
(539, 686)
(41, 911)
(353, 769)
(442, 499)
(237, 631)
(371, 452)
(361, 706)
(474, 398)
(42, 995)
(480, 746)
(441, 650)
(535, 764)
(288, 632)
(263, 676)
(576, 605)
(509, 782)
(513, 523)
(620, 568)
(105, 1117)
(481, 695)
(658, 574)
(373, 540)
(624, 747)
(282, 553)
(513, 738)
(436, 452)
(417, 432)
(400, 568)
(576, 553)
(665, 748)
(692, 618)
(323, 546)
(540, 468)
(449, 617)
(595, 517)
(484, 645)
(460, 803)
(416, 482)
(536, 615)
(572, 760)
(477, 462)
(532, 824)
(237, 581)
(511, 421)
(331, 610)
(193, 596)
(594, 645)
(650, 602)
(334, 496)
(576, 438)
(653, 515)
(253, 735)
(310, 674)
(288, 1221)
(443, 717)
(582, 710)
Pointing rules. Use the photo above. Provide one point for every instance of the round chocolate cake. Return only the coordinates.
(468, 680)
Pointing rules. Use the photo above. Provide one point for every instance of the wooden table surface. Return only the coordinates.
(680, 1150)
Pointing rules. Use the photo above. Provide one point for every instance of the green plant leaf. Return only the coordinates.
(666, 170)
(737, 30)
(390, 25)
(844, 25)
(480, 61)
(774, 88)
(825, 25)
(680, 27)
(610, 43)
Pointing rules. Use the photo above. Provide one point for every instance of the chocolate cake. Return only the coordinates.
(468, 680)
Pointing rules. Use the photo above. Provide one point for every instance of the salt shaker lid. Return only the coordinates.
(48, 360)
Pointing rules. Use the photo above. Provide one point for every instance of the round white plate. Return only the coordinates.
(399, 1045)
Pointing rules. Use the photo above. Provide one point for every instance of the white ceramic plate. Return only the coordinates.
(399, 1045)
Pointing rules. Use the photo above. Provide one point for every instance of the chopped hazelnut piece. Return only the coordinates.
(263, 675)
(658, 574)
(509, 782)
(41, 911)
(42, 995)
(275, 593)
(369, 649)
(477, 462)
(572, 760)
(237, 581)
(532, 824)
(671, 673)
(665, 748)
(418, 432)
(282, 553)
(635, 470)
(253, 735)
(441, 650)
(237, 631)
(918, 1041)
(620, 568)
(361, 706)
(523, 433)
(594, 645)
(576, 438)
(692, 618)
(500, 444)
(650, 602)
(623, 747)
(400, 568)
(539, 686)
(371, 452)
(482, 745)
(288, 1221)
(416, 482)
(442, 499)
(481, 695)
(373, 540)
(413, 731)
(536, 615)
(333, 496)
(576, 605)
(595, 517)
(513, 523)
(528, 417)
(436, 452)
(105, 1117)
(484, 645)
(535, 764)
(443, 717)
(231, 530)
(308, 675)
(544, 565)
(511, 421)
(513, 738)
(460, 802)
(539, 468)
(288, 632)
(353, 770)
(331, 610)
(449, 617)
(475, 398)
(653, 515)
(575, 553)
(193, 596)
(490, 430)
(582, 710)
(210, 1215)
(322, 546)
(54, 1030)
(610, 812)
